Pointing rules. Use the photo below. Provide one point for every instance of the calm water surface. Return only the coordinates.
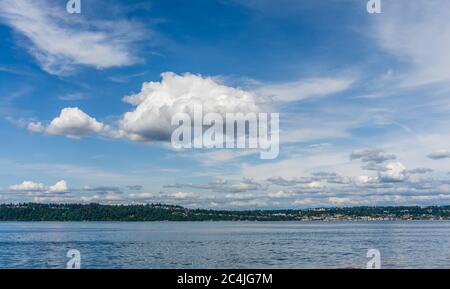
(225, 244)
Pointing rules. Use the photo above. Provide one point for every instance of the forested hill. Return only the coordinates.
(159, 212)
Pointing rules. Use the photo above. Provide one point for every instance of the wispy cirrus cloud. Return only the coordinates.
(60, 42)
(305, 88)
(418, 36)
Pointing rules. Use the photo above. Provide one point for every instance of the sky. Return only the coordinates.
(364, 99)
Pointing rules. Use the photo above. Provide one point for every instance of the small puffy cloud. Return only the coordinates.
(158, 102)
(59, 187)
(366, 180)
(396, 172)
(315, 185)
(371, 155)
(36, 127)
(28, 186)
(440, 154)
(142, 196)
(240, 196)
(279, 194)
(182, 195)
(73, 123)
(245, 185)
(392, 172)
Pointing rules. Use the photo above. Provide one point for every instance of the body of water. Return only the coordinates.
(225, 244)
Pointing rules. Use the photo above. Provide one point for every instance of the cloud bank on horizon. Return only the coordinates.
(86, 102)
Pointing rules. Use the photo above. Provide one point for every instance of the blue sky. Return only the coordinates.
(363, 101)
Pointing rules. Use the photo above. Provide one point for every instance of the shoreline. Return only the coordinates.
(36, 212)
(231, 221)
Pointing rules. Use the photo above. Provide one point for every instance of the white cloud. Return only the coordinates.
(72, 122)
(58, 41)
(240, 196)
(59, 187)
(304, 89)
(279, 194)
(142, 196)
(36, 127)
(159, 101)
(183, 195)
(366, 180)
(29, 186)
(245, 185)
(315, 185)
(396, 172)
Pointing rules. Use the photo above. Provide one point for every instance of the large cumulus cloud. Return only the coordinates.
(159, 101)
